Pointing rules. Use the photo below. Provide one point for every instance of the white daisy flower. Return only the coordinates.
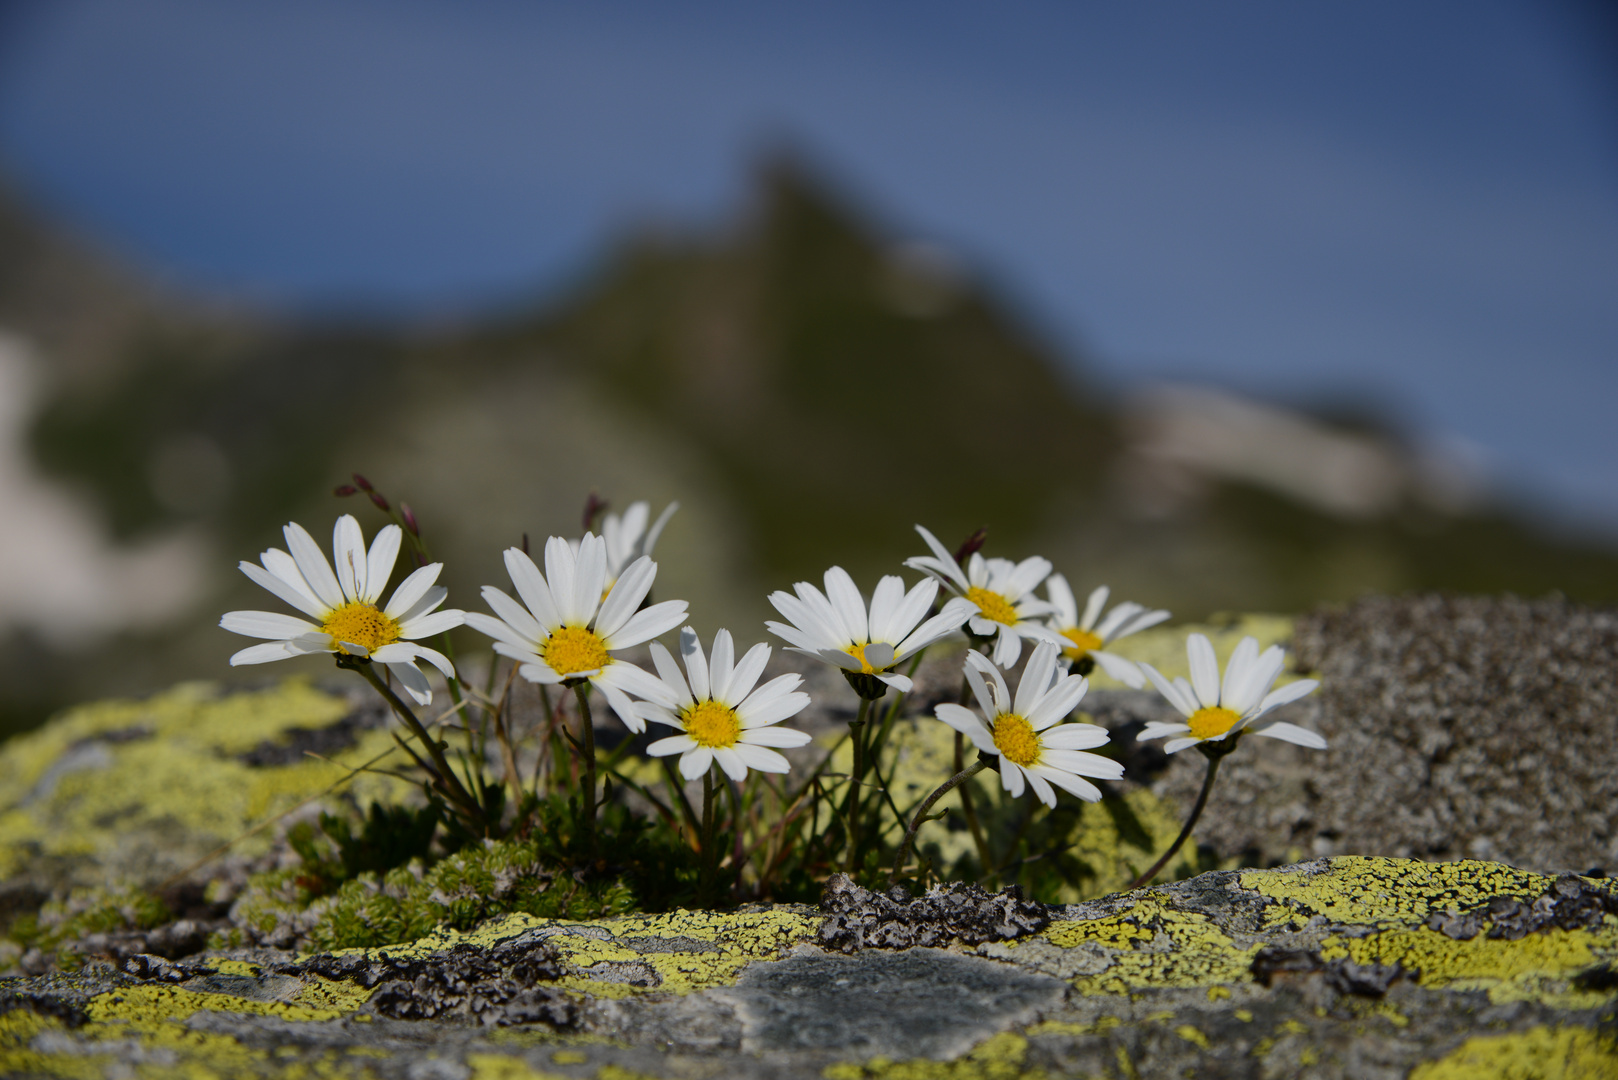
(570, 624)
(1027, 734)
(723, 718)
(1086, 637)
(1003, 592)
(628, 538)
(835, 626)
(1214, 710)
(349, 622)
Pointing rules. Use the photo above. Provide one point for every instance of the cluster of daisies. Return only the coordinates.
(572, 621)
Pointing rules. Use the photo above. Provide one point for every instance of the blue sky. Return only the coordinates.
(1412, 201)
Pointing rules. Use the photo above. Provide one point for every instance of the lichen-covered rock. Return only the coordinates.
(1345, 967)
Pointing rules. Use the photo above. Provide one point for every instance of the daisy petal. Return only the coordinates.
(1071, 784)
(731, 762)
(1118, 668)
(299, 598)
(1291, 733)
(313, 566)
(674, 744)
(901, 683)
(266, 624)
(1074, 737)
(775, 736)
(648, 623)
(411, 589)
(1061, 594)
(263, 654)
(761, 758)
(886, 603)
(533, 588)
(413, 681)
(1285, 695)
(348, 546)
(1174, 746)
(696, 664)
(773, 710)
(1042, 789)
(679, 692)
(439, 622)
(967, 723)
(695, 763)
(1204, 669)
(746, 675)
(560, 577)
(1011, 778)
(721, 665)
(379, 563)
(625, 596)
(1092, 606)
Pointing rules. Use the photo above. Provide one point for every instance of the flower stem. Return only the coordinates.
(587, 737)
(1214, 758)
(447, 781)
(709, 855)
(921, 814)
(856, 731)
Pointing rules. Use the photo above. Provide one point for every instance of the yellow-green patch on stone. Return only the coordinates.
(1362, 890)
(173, 776)
(999, 1057)
(1541, 1052)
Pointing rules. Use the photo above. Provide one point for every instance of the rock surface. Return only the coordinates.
(1458, 727)
(1348, 967)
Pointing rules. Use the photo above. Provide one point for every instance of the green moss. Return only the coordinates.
(480, 882)
(88, 911)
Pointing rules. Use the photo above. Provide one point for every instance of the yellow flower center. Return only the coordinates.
(360, 624)
(712, 725)
(572, 649)
(858, 653)
(992, 605)
(1016, 739)
(1213, 721)
(1084, 642)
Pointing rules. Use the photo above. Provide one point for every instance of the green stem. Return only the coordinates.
(677, 785)
(587, 736)
(968, 809)
(1190, 822)
(709, 862)
(856, 730)
(444, 773)
(921, 815)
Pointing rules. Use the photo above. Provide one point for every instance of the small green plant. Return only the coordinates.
(730, 821)
(389, 837)
(84, 912)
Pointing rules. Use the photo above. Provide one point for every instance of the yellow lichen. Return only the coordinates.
(1000, 1057)
(1362, 890)
(738, 938)
(1563, 1053)
(129, 801)
(1532, 968)
(502, 1067)
(1152, 945)
(1192, 1035)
